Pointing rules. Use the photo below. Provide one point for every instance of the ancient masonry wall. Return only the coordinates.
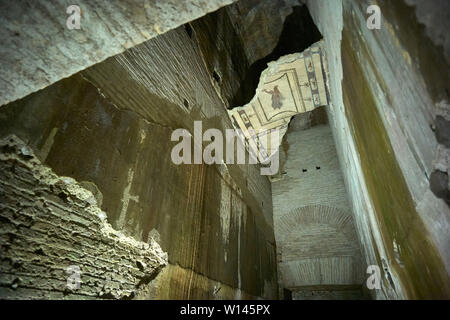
(106, 29)
(317, 244)
(112, 134)
(49, 224)
(389, 104)
(312, 173)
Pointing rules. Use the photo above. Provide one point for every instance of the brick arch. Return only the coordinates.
(317, 245)
(302, 218)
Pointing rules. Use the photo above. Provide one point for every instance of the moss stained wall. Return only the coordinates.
(197, 213)
(417, 262)
(386, 86)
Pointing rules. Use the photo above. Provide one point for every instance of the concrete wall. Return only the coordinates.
(112, 133)
(321, 183)
(387, 88)
(53, 234)
(165, 81)
(349, 294)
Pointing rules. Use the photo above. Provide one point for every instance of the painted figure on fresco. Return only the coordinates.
(276, 97)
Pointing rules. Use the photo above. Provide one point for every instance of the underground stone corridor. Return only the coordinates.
(225, 150)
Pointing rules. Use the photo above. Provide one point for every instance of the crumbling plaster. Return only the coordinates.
(51, 223)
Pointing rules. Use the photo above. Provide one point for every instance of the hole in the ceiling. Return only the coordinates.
(304, 170)
(299, 32)
(317, 168)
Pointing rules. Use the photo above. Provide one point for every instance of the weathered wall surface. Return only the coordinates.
(168, 285)
(238, 41)
(197, 213)
(50, 224)
(348, 294)
(317, 244)
(110, 128)
(38, 49)
(165, 81)
(388, 89)
(312, 169)
(233, 38)
(259, 24)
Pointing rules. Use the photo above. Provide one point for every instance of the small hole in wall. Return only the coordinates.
(188, 29)
(304, 170)
(432, 127)
(284, 172)
(39, 251)
(140, 265)
(216, 76)
(186, 104)
(317, 168)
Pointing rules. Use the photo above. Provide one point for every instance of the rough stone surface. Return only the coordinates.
(156, 78)
(248, 17)
(49, 223)
(215, 222)
(349, 294)
(435, 16)
(439, 185)
(238, 40)
(109, 127)
(443, 131)
(38, 49)
(317, 243)
(386, 88)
